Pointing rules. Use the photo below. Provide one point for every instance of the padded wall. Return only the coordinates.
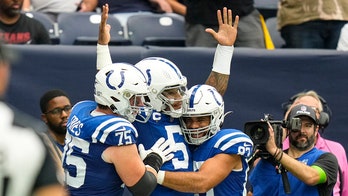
(261, 80)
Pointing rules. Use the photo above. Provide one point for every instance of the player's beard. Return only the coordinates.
(57, 129)
(302, 146)
(11, 11)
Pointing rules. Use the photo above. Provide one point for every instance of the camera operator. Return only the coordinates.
(307, 170)
(324, 114)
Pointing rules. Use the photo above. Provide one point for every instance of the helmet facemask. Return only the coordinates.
(197, 136)
(172, 98)
(139, 109)
(203, 114)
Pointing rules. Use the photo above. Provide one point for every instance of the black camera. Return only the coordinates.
(259, 134)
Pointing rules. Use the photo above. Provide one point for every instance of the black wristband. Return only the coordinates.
(153, 160)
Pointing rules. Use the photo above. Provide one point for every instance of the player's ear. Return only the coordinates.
(44, 118)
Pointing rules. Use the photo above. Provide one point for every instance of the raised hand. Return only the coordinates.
(162, 147)
(227, 32)
(104, 28)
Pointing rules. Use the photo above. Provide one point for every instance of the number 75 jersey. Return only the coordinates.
(86, 139)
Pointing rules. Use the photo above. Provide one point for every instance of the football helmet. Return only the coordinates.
(203, 100)
(123, 88)
(167, 85)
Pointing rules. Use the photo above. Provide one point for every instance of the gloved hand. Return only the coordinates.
(162, 147)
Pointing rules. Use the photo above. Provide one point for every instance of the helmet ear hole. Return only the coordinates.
(114, 99)
(113, 108)
(107, 73)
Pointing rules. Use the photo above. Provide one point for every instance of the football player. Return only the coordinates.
(100, 153)
(220, 155)
(168, 89)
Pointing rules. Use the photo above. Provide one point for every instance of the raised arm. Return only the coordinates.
(226, 37)
(103, 53)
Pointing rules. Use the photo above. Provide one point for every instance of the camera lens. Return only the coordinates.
(257, 132)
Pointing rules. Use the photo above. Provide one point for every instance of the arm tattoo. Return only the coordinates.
(219, 81)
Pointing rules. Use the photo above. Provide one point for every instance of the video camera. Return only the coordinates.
(259, 134)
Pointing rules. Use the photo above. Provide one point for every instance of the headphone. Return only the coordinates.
(324, 117)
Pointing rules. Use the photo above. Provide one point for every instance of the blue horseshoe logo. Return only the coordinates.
(108, 80)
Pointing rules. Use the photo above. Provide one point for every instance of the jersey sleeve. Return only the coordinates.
(235, 142)
(328, 162)
(115, 132)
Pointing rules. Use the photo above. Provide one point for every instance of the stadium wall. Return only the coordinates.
(261, 80)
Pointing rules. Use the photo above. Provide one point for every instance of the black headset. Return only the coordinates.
(325, 115)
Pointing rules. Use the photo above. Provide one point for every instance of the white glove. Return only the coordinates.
(162, 147)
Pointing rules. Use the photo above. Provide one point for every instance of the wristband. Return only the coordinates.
(275, 153)
(222, 59)
(160, 176)
(103, 56)
(153, 160)
(281, 155)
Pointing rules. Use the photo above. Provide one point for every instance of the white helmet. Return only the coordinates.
(203, 100)
(163, 75)
(116, 84)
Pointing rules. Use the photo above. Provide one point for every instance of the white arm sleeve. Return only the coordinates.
(222, 59)
(103, 56)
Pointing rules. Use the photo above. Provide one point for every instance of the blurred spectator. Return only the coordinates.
(124, 6)
(26, 167)
(51, 7)
(55, 107)
(268, 8)
(17, 28)
(201, 14)
(343, 40)
(178, 6)
(312, 24)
